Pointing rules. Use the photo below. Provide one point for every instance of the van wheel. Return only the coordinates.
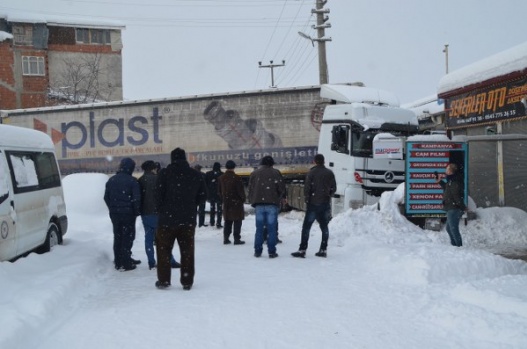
(52, 238)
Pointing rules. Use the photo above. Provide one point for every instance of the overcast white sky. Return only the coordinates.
(178, 48)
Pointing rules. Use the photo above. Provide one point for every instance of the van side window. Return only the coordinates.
(4, 177)
(32, 171)
(48, 172)
(340, 138)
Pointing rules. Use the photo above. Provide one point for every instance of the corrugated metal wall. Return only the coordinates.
(483, 166)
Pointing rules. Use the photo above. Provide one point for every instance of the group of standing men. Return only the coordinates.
(167, 200)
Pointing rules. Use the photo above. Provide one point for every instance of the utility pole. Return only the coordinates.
(445, 50)
(271, 66)
(321, 39)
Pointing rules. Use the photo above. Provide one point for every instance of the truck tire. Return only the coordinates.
(53, 238)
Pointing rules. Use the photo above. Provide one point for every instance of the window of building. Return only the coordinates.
(23, 35)
(32, 65)
(93, 36)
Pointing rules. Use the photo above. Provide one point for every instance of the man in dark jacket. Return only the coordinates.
(266, 192)
(179, 190)
(211, 179)
(453, 202)
(232, 196)
(123, 198)
(147, 182)
(319, 187)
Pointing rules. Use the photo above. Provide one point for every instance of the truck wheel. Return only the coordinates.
(52, 238)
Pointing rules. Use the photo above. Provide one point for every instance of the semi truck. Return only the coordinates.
(362, 137)
(290, 124)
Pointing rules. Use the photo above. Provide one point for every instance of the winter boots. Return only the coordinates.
(299, 254)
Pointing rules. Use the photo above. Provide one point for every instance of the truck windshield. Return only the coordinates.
(362, 143)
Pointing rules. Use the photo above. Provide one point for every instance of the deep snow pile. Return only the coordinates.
(385, 283)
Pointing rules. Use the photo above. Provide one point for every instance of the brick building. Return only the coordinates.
(46, 62)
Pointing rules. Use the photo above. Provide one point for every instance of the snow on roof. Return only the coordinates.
(358, 94)
(503, 63)
(55, 20)
(24, 137)
(427, 105)
(4, 36)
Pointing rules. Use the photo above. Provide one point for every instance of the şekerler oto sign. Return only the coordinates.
(425, 159)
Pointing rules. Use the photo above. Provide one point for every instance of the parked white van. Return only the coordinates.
(32, 208)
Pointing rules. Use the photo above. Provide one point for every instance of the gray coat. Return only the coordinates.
(266, 186)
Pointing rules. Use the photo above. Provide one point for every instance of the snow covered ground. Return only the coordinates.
(385, 284)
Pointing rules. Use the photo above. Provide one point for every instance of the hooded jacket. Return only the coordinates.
(123, 194)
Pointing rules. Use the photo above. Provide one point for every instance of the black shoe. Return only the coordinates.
(132, 267)
(227, 242)
(239, 242)
(203, 225)
(299, 254)
(219, 226)
(257, 254)
(278, 241)
(136, 261)
(187, 287)
(321, 253)
(162, 284)
(175, 265)
(273, 255)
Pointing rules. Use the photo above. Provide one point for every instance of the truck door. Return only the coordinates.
(7, 224)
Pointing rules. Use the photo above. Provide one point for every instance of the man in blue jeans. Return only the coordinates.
(149, 217)
(266, 191)
(453, 202)
(319, 187)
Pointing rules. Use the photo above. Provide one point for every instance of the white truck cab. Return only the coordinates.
(32, 207)
(362, 139)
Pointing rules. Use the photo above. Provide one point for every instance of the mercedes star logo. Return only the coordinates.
(389, 177)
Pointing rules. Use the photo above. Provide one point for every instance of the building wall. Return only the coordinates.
(18, 91)
(7, 81)
(485, 179)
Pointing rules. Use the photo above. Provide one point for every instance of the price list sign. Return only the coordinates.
(425, 160)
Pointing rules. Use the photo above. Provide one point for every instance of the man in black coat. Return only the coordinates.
(319, 187)
(453, 202)
(123, 198)
(216, 210)
(179, 189)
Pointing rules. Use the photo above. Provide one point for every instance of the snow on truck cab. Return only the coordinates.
(362, 138)
(32, 207)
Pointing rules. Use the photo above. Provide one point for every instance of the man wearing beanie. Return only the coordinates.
(266, 191)
(123, 198)
(179, 189)
(232, 195)
(211, 179)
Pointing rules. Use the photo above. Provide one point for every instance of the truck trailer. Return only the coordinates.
(290, 124)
